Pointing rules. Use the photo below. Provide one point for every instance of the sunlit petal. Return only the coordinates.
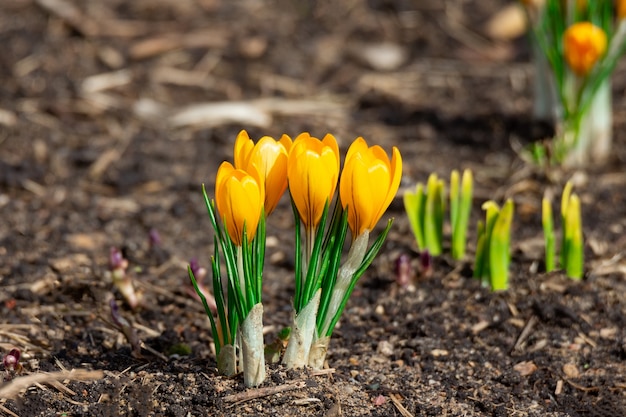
(239, 199)
(312, 171)
(269, 158)
(368, 184)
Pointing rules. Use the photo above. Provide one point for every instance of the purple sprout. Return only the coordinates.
(426, 263)
(404, 270)
(116, 260)
(198, 272)
(122, 281)
(11, 362)
(154, 238)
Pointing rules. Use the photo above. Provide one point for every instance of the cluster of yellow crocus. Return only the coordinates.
(311, 167)
(253, 185)
(583, 45)
(369, 180)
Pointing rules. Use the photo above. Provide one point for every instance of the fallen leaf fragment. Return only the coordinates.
(439, 352)
(525, 368)
(570, 370)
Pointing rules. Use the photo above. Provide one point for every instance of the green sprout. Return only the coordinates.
(575, 49)
(572, 249)
(425, 209)
(493, 255)
(460, 208)
(548, 233)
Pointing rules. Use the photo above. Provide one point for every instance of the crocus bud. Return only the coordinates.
(404, 271)
(583, 45)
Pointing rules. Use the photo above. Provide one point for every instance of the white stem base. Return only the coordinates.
(302, 332)
(252, 347)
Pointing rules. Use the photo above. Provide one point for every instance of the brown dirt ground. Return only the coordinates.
(95, 153)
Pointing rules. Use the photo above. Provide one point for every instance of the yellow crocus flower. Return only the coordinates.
(368, 184)
(269, 158)
(583, 45)
(312, 173)
(621, 9)
(239, 199)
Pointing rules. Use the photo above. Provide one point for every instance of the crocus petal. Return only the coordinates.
(312, 172)
(243, 149)
(368, 184)
(269, 158)
(583, 45)
(239, 200)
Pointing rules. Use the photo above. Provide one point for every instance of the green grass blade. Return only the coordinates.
(574, 250)
(414, 207)
(330, 276)
(565, 198)
(499, 248)
(297, 256)
(433, 215)
(207, 310)
(548, 233)
(455, 199)
(459, 228)
(481, 250)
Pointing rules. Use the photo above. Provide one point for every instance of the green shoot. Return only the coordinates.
(460, 208)
(572, 251)
(548, 233)
(425, 209)
(493, 257)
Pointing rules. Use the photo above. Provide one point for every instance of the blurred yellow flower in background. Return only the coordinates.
(583, 45)
(620, 5)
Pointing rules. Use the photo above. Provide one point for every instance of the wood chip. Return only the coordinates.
(396, 401)
(7, 118)
(570, 370)
(439, 352)
(480, 326)
(71, 15)
(86, 241)
(221, 113)
(69, 263)
(150, 47)
(608, 332)
(525, 368)
(106, 81)
(559, 387)
(508, 23)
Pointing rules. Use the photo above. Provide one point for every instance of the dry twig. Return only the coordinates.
(264, 392)
(13, 388)
(396, 401)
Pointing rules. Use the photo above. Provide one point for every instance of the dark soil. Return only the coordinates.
(88, 163)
